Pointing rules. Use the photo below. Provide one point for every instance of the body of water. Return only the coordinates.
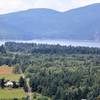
(60, 42)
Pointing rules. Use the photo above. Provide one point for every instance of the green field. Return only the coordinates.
(9, 94)
(8, 74)
(13, 77)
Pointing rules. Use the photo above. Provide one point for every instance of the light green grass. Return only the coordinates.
(37, 96)
(13, 77)
(11, 93)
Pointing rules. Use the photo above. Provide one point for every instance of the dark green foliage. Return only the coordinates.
(21, 82)
(15, 99)
(51, 49)
(15, 85)
(2, 49)
(42, 98)
(2, 82)
(60, 72)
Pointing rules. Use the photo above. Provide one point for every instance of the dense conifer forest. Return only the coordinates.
(59, 72)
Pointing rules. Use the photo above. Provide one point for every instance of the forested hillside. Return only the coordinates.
(59, 72)
(77, 24)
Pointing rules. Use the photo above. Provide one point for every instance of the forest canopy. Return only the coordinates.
(59, 72)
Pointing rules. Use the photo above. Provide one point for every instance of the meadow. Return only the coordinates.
(9, 94)
(7, 73)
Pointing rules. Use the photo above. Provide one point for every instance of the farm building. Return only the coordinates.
(9, 84)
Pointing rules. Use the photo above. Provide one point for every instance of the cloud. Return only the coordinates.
(61, 5)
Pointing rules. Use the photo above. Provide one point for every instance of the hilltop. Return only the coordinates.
(76, 24)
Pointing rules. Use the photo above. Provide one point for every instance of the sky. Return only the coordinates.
(8, 6)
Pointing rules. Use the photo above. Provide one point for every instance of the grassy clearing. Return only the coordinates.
(9, 94)
(7, 73)
(6, 70)
(12, 77)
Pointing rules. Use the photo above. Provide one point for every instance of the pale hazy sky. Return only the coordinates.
(7, 6)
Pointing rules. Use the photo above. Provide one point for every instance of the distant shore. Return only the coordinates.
(55, 42)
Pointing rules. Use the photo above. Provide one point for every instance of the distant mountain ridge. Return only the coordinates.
(77, 24)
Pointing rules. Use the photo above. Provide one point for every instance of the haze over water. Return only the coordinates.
(60, 42)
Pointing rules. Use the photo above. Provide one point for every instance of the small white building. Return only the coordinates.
(9, 84)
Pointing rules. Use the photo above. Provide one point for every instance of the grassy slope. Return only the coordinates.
(13, 77)
(7, 73)
(8, 93)
(11, 93)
